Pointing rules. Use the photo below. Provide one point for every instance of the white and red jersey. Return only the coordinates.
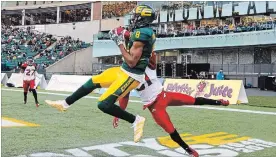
(150, 89)
(29, 72)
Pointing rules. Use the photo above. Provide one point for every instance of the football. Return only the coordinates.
(126, 34)
(121, 30)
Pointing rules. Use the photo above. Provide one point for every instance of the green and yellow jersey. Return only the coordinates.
(147, 36)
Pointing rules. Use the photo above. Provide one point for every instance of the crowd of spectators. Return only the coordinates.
(179, 4)
(190, 30)
(77, 15)
(187, 4)
(19, 43)
(117, 9)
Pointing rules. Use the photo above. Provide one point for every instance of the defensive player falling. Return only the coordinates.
(132, 72)
(157, 100)
(29, 74)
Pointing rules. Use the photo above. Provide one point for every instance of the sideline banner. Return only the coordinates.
(66, 83)
(232, 90)
(4, 79)
(17, 80)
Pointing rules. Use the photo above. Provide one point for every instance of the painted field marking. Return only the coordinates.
(136, 101)
(205, 144)
(232, 110)
(11, 122)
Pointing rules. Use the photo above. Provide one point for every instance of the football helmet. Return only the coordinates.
(141, 16)
(30, 61)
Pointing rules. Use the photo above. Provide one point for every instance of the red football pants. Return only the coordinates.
(28, 84)
(164, 99)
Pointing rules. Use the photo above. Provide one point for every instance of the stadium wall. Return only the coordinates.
(76, 62)
(108, 47)
(82, 30)
(109, 24)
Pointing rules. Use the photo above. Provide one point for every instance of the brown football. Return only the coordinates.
(127, 35)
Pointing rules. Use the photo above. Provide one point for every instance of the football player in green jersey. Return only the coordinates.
(129, 76)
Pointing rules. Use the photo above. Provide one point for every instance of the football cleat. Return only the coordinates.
(59, 104)
(37, 104)
(138, 126)
(193, 153)
(224, 102)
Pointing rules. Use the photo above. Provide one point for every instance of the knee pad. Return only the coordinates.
(32, 90)
(104, 106)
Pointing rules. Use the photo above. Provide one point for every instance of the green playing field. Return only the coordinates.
(85, 131)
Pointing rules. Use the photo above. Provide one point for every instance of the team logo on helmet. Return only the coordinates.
(141, 16)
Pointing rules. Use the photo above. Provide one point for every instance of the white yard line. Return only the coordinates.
(232, 110)
(60, 94)
(136, 101)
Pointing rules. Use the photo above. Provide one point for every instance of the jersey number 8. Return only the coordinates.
(137, 34)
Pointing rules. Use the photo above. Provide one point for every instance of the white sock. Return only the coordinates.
(65, 105)
(136, 120)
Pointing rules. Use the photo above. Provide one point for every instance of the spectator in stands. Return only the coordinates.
(220, 75)
(117, 9)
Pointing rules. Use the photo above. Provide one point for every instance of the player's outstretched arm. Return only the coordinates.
(123, 102)
(134, 55)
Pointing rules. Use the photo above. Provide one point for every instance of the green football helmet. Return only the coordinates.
(141, 16)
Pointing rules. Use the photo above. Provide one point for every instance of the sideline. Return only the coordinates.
(136, 101)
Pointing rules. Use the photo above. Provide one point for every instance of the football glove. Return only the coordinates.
(117, 35)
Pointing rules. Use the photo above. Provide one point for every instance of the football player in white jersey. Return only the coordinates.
(29, 75)
(156, 100)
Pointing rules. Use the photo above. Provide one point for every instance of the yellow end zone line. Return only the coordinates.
(19, 121)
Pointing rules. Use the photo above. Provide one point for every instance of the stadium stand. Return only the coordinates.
(17, 44)
(117, 9)
(247, 24)
(191, 30)
(20, 43)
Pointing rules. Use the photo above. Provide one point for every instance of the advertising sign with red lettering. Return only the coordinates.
(232, 90)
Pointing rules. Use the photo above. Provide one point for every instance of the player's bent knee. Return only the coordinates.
(104, 106)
